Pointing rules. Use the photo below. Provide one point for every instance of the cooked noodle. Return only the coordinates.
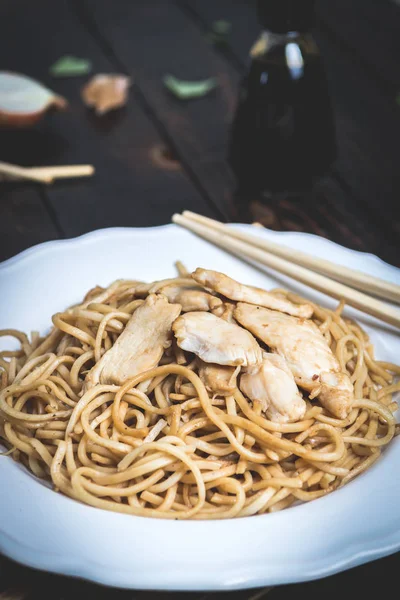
(160, 445)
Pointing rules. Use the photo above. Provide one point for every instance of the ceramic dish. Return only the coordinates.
(40, 528)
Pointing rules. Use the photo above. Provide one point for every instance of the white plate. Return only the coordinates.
(40, 528)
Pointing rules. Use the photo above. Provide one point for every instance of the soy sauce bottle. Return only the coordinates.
(283, 135)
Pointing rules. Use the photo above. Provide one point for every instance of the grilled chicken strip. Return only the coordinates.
(218, 379)
(140, 346)
(230, 288)
(273, 384)
(225, 311)
(216, 341)
(191, 298)
(336, 393)
(300, 342)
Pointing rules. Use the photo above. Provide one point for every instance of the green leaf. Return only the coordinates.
(70, 66)
(185, 90)
(221, 27)
(219, 32)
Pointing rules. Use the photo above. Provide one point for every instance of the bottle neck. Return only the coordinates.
(268, 39)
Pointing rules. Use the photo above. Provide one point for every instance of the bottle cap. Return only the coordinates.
(282, 16)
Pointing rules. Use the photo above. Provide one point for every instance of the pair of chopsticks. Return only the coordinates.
(45, 174)
(320, 274)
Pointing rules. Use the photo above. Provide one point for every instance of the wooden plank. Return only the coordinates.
(367, 579)
(18, 582)
(252, 594)
(327, 213)
(24, 220)
(367, 131)
(370, 29)
(155, 38)
(200, 126)
(132, 187)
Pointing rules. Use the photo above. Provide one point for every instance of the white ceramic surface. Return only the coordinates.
(40, 528)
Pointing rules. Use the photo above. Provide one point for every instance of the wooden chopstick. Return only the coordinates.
(351, 277)
(46, 174)
(22, 173)
(64, 171)
(323, 284)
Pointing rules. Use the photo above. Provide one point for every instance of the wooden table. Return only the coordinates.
(159, 155)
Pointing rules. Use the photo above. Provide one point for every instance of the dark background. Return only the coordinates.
(159, 155)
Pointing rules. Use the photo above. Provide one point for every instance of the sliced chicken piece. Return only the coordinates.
(306, 351)
(216, 341)
(230, 288)
(336, 393)
(273, 384)
(227, 313)
(191, 298)
(298, 340)
(218, 379)
(140, 346)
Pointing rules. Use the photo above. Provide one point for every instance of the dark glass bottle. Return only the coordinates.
(283, 134)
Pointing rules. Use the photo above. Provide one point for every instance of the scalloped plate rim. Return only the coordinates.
(333, 560)
(168, 226)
